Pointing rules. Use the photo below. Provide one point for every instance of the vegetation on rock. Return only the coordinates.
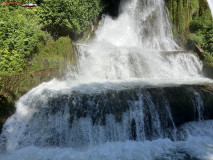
(16, 85)
(68, 17)
(20, 37)
(193, 25)
(25, 32)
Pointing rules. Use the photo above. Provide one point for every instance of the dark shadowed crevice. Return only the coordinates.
(111, 7)
(133, 130)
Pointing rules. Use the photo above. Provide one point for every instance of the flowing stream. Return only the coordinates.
(117, 105)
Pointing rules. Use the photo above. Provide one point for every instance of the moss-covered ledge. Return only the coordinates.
(14, 86)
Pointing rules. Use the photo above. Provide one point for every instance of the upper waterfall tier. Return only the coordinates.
(133, 45)
(140, 24)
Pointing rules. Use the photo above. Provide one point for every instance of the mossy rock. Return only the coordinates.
(14, 86)
(55, 54)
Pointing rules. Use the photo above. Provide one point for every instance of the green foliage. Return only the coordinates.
(193, 24)
(181, 14)
(201, 28)
(208, 58)
(20, 37)
(194, 6)
(55, 54)
(68, 17)
(11, 61)
(22, 41)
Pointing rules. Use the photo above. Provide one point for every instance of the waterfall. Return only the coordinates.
(210, 2)
(119, 104)
(138, 44)
(80, 119)
(198, 104)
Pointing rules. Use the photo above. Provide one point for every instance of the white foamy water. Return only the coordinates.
(76, 119)
(210, 2)
(138, 44)
(200, 147)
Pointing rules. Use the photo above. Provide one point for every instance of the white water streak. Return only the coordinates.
(210, 2)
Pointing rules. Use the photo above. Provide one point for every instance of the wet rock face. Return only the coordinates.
(208, 70)
(148, 113)
(112, 7)
(182, 102)
(6, 109)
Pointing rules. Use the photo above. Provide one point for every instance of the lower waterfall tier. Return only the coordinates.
(80, 120)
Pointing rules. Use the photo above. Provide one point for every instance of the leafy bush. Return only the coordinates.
(198, 38)
(20, 28)
(11, 61)
(20, 37)
(68, 17)
(201, 28)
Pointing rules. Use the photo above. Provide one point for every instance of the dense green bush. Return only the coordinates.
(20, 37)
(68, 17)
(201, 28)
(20, 28)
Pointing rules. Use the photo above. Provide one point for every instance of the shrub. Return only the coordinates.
(68, 17)
(20, 37)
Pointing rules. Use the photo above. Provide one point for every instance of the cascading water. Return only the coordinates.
(117, 105)
(136, 45)
(198, 104)
(210, 2)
